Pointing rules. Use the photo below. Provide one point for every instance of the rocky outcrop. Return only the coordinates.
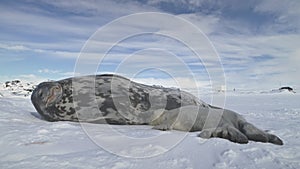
(287, 88)
(16, 88)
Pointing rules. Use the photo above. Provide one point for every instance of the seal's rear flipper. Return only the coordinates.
(274, 139)
(255, 134)
(229, 133)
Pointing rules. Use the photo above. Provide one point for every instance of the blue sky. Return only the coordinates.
(257, 41)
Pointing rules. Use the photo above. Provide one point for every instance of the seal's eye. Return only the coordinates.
(40, 93)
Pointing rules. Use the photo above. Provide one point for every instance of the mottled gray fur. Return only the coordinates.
(114, 99)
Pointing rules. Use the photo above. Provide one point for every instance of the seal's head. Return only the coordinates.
(44, 97)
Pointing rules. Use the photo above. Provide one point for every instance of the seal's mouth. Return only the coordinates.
(54, 94)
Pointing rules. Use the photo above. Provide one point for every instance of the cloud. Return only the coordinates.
(250, 53)
(48, 71)
(39, 27)
(182, 83)
(56, 74)
(286, 10)
(257, 40)
(13, 47)
(24, 78)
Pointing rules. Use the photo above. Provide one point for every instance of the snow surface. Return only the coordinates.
(30, 142)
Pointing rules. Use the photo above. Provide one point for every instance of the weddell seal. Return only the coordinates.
(113, 99)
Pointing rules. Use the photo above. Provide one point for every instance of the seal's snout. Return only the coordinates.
(44, 96)
(47, 93)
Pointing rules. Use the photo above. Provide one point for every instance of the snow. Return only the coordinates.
(16, 88)
(27, 141)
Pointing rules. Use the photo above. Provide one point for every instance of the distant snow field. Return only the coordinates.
(30, 142)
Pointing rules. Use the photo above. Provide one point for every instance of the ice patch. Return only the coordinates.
(121, 165)
(143, 151)
(229, 154)
(62, 125)
(42, 131)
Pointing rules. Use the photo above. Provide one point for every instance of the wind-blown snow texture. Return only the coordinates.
(30, 142)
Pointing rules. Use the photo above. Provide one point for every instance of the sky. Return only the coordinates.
(246, 45)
